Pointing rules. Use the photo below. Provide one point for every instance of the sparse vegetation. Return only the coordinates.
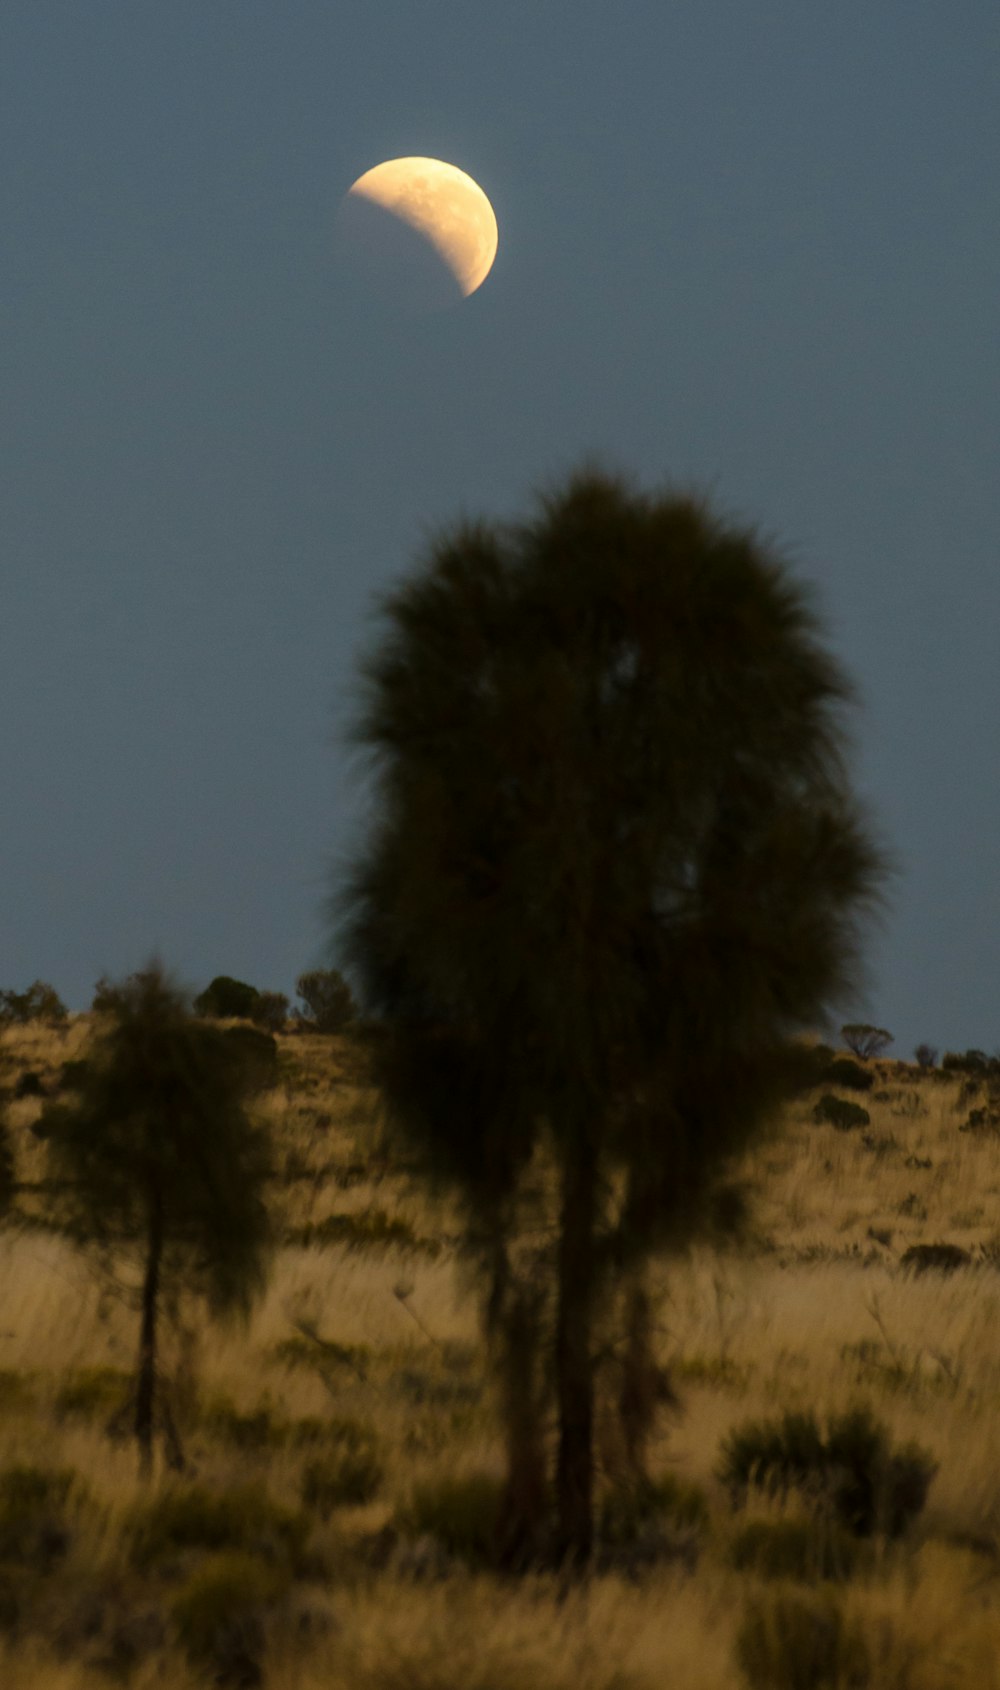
(352, 1444)
(839, 1112)
(864, 1040)
(41, 1002)
(851, 1470)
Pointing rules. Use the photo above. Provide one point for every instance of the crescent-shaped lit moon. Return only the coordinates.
(442, 204)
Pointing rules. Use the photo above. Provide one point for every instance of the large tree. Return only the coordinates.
(614, 870)
(156, 1153)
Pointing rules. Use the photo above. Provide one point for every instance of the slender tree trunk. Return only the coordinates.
(146, 1384)
(574, 1373)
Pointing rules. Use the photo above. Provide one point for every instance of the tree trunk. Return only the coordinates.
(146, 1384)
(574, 1374)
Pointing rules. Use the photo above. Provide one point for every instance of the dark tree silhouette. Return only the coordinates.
(865, 1040)
(156, 1152)
(614, 872)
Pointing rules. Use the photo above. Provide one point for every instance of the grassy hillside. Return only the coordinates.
(320, 1443)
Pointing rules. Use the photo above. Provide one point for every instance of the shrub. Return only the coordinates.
(256, 1053)
(463, 1514)
(839, 1113)
(797, 1641)
(225, 997)
(73, 1074)
(41, 1002)
(864, 1040)
(197, 1518)
(260, 1428)
(328, 1000)
(926, 1055)
(944, 1257)
(360, 1231)
(345, 1480)
(966, 1062)
(852, 1470)
(90, 1391)
(16, 1389)
(270, 1011)
(806, 1549)
(32, 1516)
(844, 1072)
(218, 1614)
(627, 1511)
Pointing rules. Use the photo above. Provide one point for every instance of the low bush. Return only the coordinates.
(627, 1511)
(792, 1640)
(256, 1428)
(33, 1530)
(945, 1258)
(91, 1391)
(807, 1549)
(270, 1011)
(41, 1002)
(852, 1470)
(256, 1053)
(17, 1390)
(844, 1072)
(225, 998)
(218, 1614)
(840, 1113)
(371, 1227)
(462, 1514)
(344, 1480)
(196, 1518)
(306, 1352)
(29, 1084)
(73, 1074)
(968, 1062)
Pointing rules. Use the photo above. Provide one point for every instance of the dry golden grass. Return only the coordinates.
(816, 1313)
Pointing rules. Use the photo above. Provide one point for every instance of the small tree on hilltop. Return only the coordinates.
(270, 1010)
(864, 1040)
(615, 871)
(926, 1055)
(328, 1000)
(227, 999)
(41, 1002)
(155, 1152)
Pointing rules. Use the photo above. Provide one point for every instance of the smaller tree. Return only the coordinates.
(328, 1000)
(227, 999)
(926, 1055)
(864, 1040)
(270, 1011)
(155, 1152)
(41, 1002)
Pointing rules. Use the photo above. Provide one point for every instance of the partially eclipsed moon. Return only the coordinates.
(442, 204)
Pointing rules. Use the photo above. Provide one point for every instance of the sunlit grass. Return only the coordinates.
(815, 1312)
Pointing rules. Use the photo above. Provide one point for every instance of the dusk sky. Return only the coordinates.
(751, 250)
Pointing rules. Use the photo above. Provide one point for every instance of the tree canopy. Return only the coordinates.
(615, 868)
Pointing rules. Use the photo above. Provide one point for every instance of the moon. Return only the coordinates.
(443, 206)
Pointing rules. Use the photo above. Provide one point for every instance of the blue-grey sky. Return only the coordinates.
(753, 249)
